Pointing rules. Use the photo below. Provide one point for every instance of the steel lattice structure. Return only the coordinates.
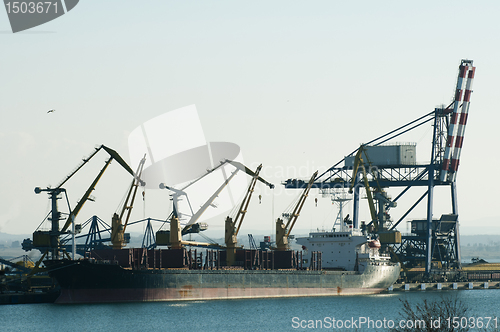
(430, 243)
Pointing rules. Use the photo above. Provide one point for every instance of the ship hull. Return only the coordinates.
(88, 282)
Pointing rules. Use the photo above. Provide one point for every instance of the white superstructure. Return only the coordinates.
(347, 250)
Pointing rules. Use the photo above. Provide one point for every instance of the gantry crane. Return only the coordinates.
(432, 240)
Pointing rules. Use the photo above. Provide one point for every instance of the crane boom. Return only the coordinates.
(283, 231)
(180, 192)
(55, 232)
(117, 227)
(176, 232)
(111, 152)
(384, 202)
(238, 220)
(359, 162)
(84, 198)
(113, 155)
(135, 184)
(83, 162)
(300, 204)
(250, 172)
(202, 209)
(232, 228)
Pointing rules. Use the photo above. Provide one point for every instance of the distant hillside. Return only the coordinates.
(6, 240)
(485, 247)
(483, 239)
(12, 237)
(10, 245)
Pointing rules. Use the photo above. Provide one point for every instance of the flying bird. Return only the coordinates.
(50, 111)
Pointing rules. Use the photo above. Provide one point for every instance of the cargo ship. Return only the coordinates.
(330, 263)
(132, 275)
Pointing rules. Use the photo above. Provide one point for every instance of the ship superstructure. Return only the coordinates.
(339, 250)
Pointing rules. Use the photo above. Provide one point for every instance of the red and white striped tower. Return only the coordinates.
(455, 159)
(452, 129)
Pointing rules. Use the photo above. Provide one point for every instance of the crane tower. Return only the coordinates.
(433, 241)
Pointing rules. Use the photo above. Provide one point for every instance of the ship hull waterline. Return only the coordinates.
(86, 282)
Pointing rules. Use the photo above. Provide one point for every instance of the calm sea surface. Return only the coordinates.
(294, 314)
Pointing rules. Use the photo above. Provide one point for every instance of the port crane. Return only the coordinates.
(48, 242)
(173, 238)
(380, 218)
(117, 227)
(432, 240)
(232, 226)
(283, 231)
(360, 163)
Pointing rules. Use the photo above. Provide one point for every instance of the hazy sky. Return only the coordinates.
(296, 84)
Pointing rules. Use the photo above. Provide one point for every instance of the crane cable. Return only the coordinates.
(272, 219)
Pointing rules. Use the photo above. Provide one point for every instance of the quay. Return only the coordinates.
(436, 286)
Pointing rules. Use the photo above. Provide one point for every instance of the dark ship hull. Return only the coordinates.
(89, 281)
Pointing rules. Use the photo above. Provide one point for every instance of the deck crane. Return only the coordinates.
(173, 238)
(175, 234)
(117, 227)
(49, 240)
(232, 227)
(283, 231)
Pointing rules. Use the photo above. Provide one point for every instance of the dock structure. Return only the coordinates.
(443, 286)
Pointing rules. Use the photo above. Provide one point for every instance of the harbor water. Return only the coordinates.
(283, 314)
